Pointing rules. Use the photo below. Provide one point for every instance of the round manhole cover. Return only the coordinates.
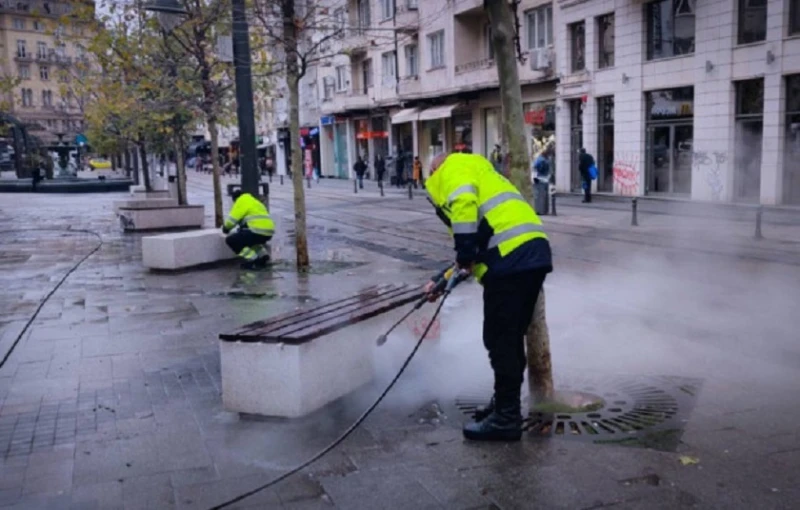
(615, 410)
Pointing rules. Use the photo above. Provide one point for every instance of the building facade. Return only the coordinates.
(686, 98)
(413, 78)
(43, 54)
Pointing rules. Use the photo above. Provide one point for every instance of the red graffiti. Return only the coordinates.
(626, 178)
(419, 324)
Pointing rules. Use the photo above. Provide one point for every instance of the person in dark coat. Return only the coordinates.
(400, 169)
(585, 161)
(380, 167)
(360, 168)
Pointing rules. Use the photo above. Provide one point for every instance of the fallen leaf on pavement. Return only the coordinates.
(689, 461)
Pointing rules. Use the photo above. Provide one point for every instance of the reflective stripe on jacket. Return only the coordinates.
(252, 212)
(483, 210)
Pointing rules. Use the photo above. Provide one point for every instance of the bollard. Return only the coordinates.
(270, 178)
(355, 186)
(759, 214)
(281, 179)
(380, 186)
(553, 204)
(410, 192)
(308, 182)
(634, 208)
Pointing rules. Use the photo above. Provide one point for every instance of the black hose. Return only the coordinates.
(57, 285)
(350, 429)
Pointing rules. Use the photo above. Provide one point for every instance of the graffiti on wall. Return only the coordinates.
(626, 174)
(709, 164)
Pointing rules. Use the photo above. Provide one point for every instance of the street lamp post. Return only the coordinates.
(168, 11)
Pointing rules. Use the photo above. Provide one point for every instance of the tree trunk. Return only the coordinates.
(540, 369)
(293, 81)
(145, 167)
(212, 128)
(127, 164)
(180, 171)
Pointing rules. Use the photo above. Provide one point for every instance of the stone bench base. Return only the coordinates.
(144, 203)
(185, 249)
(160, 218)
(294, 364)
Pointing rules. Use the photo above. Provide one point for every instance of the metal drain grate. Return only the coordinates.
(649, 412)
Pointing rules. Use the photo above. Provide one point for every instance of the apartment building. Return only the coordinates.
(420, 77)
(681, 98)
(40, 50)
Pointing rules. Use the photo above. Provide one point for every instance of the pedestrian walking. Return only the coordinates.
(400, 169)
(500, 240)
(416, 174)
(380, 167)
(270, 163)
(360, 168)
(585, 166)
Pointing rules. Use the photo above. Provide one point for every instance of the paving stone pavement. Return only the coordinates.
(112, 398)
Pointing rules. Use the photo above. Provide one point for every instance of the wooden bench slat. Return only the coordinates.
(352, 309)
(302, 326)
(296, 315)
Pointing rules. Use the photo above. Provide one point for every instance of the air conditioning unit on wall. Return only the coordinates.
(540, 59)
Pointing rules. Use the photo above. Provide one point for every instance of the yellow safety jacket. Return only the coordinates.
(252, 212)
(485, 213)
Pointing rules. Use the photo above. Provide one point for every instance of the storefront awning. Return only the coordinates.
(406, 115)
(438, 112)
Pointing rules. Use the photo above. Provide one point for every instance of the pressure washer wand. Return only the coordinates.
(444, 285)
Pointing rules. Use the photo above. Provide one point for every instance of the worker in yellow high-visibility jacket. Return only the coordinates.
(500, 240)
(256, 228)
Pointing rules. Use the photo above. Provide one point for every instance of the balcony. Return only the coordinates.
(23, 57)
(356, 101)
(409, 86)
(476, 73)
(467, 7)
(407, 18)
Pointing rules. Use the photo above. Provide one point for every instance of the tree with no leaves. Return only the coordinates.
(297, 31)
(506, 39)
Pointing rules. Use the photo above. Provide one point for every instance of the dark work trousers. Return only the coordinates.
(508, 303)
(244, 238)
(587, 190)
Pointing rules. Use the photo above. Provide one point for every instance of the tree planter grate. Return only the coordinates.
(646, 412)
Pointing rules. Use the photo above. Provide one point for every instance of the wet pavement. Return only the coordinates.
(685, 327)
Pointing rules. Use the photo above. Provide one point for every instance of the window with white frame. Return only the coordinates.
(18, 24)
(605, 36)
(412, 60)
(412, 4)
(364, 15)
(41, 50)
(44, 73)
(387, 9)
(389, 68)
(38, 26)
(436, 49)
(22, 49)
(341, 78)
(366, 74)
(27, 97)
(328, 87)
(25, 72)
(339, 22)
(539, 24)
(47, 98)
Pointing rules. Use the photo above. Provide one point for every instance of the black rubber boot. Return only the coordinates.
(503, 424)
(484, 411)
(261, 262)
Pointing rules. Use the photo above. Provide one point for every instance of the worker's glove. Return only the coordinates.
(225, 230)
(434, 289)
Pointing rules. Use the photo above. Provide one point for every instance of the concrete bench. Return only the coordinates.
(264, 188)
(163, 217)
(144, 203)
(185, 249)
(295, 363)
(139, 192)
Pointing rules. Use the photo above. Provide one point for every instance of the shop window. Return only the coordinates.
(749, 137)
(670, 28)
(577, 37)
(605, 143)
(791, 170)
(752, 21)
(605, 34)
(670, 140)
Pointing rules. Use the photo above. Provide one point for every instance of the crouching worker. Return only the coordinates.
(256, 228)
